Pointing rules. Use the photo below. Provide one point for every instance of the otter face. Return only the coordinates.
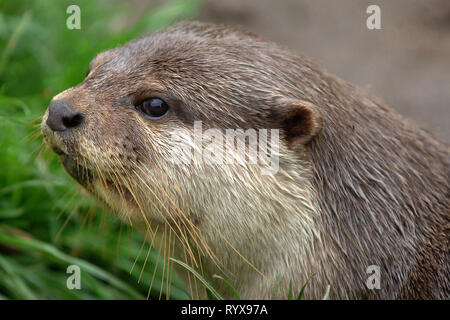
(114, 132)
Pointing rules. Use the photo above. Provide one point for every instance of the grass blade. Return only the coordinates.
(302, 290)
(199, 277)
(95, 271)
(236, 294)
(291, 293)
(275, 288)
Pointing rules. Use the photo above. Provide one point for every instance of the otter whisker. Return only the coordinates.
(184, 241)
(38, 121)
(140, 250)
(146, 257)
(192, 229)
(182, 215)
(72, 213)
(85, 217)
(188, 274)
(130, 189)
(203, 273)
(164, 217)
(164, 260)
(235, 250)
(37, 153)
(99, 172)
(170, 266)
(33, 135)
(156, 265)
(195, 235)
(74, 194)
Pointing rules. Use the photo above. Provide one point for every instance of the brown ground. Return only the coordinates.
(406, 64)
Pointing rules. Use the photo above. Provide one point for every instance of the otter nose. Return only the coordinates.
(61, 117)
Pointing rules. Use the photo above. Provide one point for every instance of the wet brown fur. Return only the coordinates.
(374, 187)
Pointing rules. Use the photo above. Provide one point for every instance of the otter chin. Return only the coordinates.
(81, 174)
(357, 187)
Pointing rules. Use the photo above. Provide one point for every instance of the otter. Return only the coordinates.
(358, 187)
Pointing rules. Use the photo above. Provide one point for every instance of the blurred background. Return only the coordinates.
(47, 223)
(406, 64)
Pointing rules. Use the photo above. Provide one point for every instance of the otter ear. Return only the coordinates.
(301, 121)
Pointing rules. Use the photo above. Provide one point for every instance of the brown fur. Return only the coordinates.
(358, 185)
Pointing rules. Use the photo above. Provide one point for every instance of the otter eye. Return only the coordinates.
(153, 108)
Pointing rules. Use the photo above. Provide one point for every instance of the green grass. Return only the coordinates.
(44, 225)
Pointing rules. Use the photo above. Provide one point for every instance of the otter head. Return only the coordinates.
(120, 132)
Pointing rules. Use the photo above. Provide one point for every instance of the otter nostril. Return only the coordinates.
(61, 117)
(73, 121)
